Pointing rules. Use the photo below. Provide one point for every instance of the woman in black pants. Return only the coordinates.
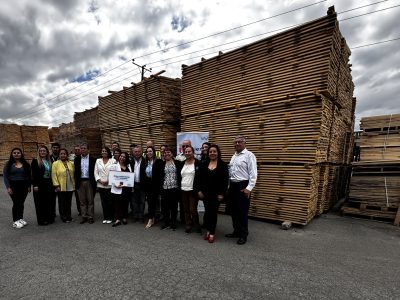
(17, 179)
(43, 191)
(150, 187)
(121, 194)
(212, 184)
(168, 179)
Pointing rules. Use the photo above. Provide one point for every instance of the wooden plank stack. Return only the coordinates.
(292, 96)
(148, 110)
(70, 134)
(28, 138)
(375, 183)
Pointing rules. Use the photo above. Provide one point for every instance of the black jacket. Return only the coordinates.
(211, 186)
(142, 170)
(159, 174)
(37, 173)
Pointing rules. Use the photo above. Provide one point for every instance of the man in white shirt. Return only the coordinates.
(242, 177)
(181, 155)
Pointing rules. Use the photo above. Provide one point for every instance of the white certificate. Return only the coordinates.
(118, 178)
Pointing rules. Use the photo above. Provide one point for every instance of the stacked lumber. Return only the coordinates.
(87, 119)
(375, 191)
(69, 135)
(148, 110)
(374, 186)
(53, 133)
(291, 95)
(28, 138)
(380, 139)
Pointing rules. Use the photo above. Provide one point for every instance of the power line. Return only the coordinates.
(369, 13)
(376, 43)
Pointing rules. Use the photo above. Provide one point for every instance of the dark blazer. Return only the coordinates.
(159, 174)
(78, 172)
(37, 173)
(150, 184)
(211, 186)
(142, 170)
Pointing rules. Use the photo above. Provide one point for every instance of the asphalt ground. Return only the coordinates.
(334, 257)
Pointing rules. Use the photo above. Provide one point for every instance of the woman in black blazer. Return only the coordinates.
(212, 184)
(43, 190)
(167, 177)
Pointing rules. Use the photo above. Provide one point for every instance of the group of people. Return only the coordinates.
(161, 179)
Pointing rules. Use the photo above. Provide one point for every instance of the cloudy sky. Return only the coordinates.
(57, 56)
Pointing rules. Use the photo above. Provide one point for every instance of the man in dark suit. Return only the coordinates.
(85, 183)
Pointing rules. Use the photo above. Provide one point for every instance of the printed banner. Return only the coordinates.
(196, 138)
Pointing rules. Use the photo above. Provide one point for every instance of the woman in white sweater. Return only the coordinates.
(101, 171)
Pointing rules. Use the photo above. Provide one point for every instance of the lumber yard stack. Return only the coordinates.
(84, 129)
(291, 95)
(147, 110)
(28, 138)
(375, 183)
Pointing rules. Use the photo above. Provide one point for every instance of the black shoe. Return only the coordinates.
(124, 221)
(165, 226)
(231, 235)
(173, 227)
(117, 223)
(188, 230)
(241, 241)
(91, 221)
(83, 221)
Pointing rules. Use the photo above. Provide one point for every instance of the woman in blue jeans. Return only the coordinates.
(17, 179)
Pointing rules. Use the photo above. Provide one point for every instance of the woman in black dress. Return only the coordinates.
(43, 191)
(212, 184)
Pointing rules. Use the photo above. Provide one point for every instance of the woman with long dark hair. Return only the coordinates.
(17, 179)
(150, 186)
(43, 191)
(212, 184)
(101, 171)
(121, 194)
(62, 173)
(168, 179)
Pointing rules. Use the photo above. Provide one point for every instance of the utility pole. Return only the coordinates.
(143, 68)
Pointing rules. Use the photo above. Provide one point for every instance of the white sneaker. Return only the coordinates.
(104, 221)
(17, 224)
(108, 221)
(23, 222)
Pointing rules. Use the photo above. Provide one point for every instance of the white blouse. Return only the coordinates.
(101, 171)
(187, 173)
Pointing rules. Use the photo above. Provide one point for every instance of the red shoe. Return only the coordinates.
(206, 236)
(211, 238)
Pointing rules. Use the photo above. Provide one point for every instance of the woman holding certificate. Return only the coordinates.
(120, 191)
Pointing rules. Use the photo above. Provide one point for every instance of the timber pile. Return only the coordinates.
(380, 139)
(28, 138)
(292, 96)
(375, 182)
(87, 119)
(69, 134)
(148, 110)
